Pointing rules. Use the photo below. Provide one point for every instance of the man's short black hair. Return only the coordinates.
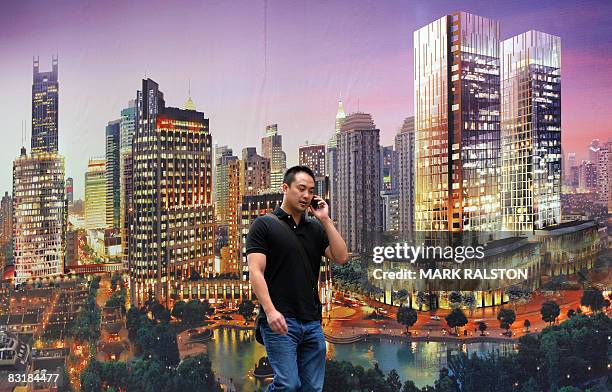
(292, 171)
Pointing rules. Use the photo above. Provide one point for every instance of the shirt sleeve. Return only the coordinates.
(257, 238)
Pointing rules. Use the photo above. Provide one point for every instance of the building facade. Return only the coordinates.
(172, 229)
(113, 174)
(332, 163)
(39, 216)
(45, 108)
(257, 174)
(95, 194)
(272, 148)
(313, 156)
(359, 203)
(129, 117)
(404, 146)
(531, 131)
(457, 134)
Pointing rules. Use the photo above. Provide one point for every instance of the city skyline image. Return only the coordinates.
(276, 69)
(461, 151)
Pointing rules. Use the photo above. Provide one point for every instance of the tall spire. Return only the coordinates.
(189, 105)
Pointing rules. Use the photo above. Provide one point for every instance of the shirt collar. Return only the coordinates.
(282, 215)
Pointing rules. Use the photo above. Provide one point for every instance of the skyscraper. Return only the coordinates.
(313, 156)
(113, 174)
(235, 180)
(457, 135)
(45, 108)
(95, 194)
(126, 135)
(39, 209)
(69, 190)
(388, 156)
(272, 148)
(39, 202)
(172, 230)
(531, 131)
(604, 176)
(257, 172)
(359, 203)
(6, 219)
(223, 155)
(571, 173)
(332, 162)
(404, 146)
(587, 181)
(594, 149)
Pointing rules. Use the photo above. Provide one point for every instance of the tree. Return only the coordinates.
(195, 374)
(91, 381)
(527, 324)
(246, 308)
(409, 386)
(157, 310)
(150, 376)
(455, 299)
(455, 319)
(177, 309)
(482, 327)
(194, 312)
(406, 316)
(393, 380)
(593, 298)
(550, 311)
(506, 317)
(469, 300)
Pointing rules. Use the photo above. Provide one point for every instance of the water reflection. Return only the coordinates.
(234, 353)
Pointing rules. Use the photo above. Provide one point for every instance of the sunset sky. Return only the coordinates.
(246, 72)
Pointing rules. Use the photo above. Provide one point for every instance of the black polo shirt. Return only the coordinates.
(290, 289)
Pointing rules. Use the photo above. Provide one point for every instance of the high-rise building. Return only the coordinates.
(223, 155)
(359, 204)
(604, 176)
(172, 230)
(587, 181)
(113, 174)
(95, 194)
(390, 211)
(272, 148)
(332, 163)
(126, 133)
(594, 149)
(404, 146)
(45, 108)
(388, 156)
(39, 189)
(457, 134)
(313, 156)
(6, 219)
(256, 172)
(235, 179)
(39, 210)
(571, 173)
(531, 144)
(69, 191)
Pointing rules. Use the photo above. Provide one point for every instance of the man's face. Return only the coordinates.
(300, 193)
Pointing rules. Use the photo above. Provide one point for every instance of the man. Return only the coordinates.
(284, 255)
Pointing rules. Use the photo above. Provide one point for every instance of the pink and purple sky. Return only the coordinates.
(247, 70)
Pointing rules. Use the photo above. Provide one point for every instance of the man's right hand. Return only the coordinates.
(277, 322)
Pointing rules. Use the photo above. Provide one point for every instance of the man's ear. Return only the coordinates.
(284, 187)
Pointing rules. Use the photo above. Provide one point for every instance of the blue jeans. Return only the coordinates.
(298, 357)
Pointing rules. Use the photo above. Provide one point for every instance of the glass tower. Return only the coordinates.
(457, 128)
(531, 131)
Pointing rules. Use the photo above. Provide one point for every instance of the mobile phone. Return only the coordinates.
(314, 203)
